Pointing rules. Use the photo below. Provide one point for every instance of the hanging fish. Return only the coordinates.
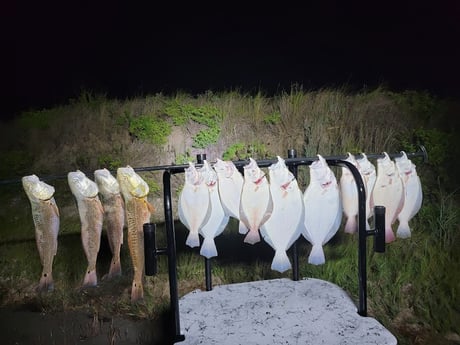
(217, 220)
(388, 192)
(349, 193)
(323, 209)
(91, 214)
(368, 174)
(285, 224)
(256, 203)
(413, 195)
(230, 184)
(114, 216)
(45, 215)
(194, 204)
(138, 211)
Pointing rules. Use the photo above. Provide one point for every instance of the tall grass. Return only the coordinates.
(413, 287)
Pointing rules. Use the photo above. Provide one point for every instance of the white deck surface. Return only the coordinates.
(278, 311)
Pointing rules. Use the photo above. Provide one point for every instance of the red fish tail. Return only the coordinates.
(137, 291)
(115, 269)
(46, 283)
(252, 237)
(90, 278)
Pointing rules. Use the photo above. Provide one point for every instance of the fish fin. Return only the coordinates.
(137, 291)
(90, 278)
(252, 237)
(208, 248)
(268, 211)
(316, 256)
(281, 261)
(115, 269)
(46, 283)
(389, 235)
(243, 229)
(150, 207)
(193, 240)
(351, 226)
(403, 230)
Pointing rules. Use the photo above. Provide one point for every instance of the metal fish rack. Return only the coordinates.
(293, 162)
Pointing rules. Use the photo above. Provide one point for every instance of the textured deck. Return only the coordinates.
(279, 311)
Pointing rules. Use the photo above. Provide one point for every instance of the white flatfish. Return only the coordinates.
(349, 194)
(285, 224)
(323, 209)
(217, 220)
(256, 202)
(368, 174)
(388, 192)
(413, 195)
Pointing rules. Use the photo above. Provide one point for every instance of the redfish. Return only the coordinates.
(91, 217)
(114, 216)
(45, 215)
(138, 211)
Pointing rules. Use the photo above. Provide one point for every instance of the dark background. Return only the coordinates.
(51, 51)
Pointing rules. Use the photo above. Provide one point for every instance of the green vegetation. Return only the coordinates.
(413, 289)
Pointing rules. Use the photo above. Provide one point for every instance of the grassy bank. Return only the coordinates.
(414, 287)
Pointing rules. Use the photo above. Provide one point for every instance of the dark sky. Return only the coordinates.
(53, 50)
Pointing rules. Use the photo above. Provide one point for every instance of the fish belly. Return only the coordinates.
(350, 204)
(194, 211)
(254, 205)
(230, 194)
(412, 203)
(91, 217)
(114, 215)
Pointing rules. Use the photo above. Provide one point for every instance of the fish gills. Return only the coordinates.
(114, 216)
(256, 203)
(413, 195)
(388, 192)
(45, 215)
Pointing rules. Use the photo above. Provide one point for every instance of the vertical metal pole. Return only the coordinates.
(200, 158)
(171, 250)
(379, 236)
(295, 253)
(150, 249)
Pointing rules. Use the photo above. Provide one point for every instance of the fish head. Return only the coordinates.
(81, 186)
(321, 173)
(131, 183)
(351, 159)
(105, 181)
(385, 165)
(224, 168)
(192, 175)
(36, 189)
(209, 175)
(253, 173)
(365, 166)
(404, 165)
(280, 175)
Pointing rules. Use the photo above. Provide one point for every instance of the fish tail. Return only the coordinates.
(252, 237)
(46, 283)
(208, 249)
(351, 226)
(389, 235)
(193, 240)
(317, 255)
(115, 268)
(242, 229)
(90, 278)
(137, 291)
(281, 261)
(403, 230)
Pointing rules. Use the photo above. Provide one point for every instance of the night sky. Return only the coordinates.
(53, 51)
